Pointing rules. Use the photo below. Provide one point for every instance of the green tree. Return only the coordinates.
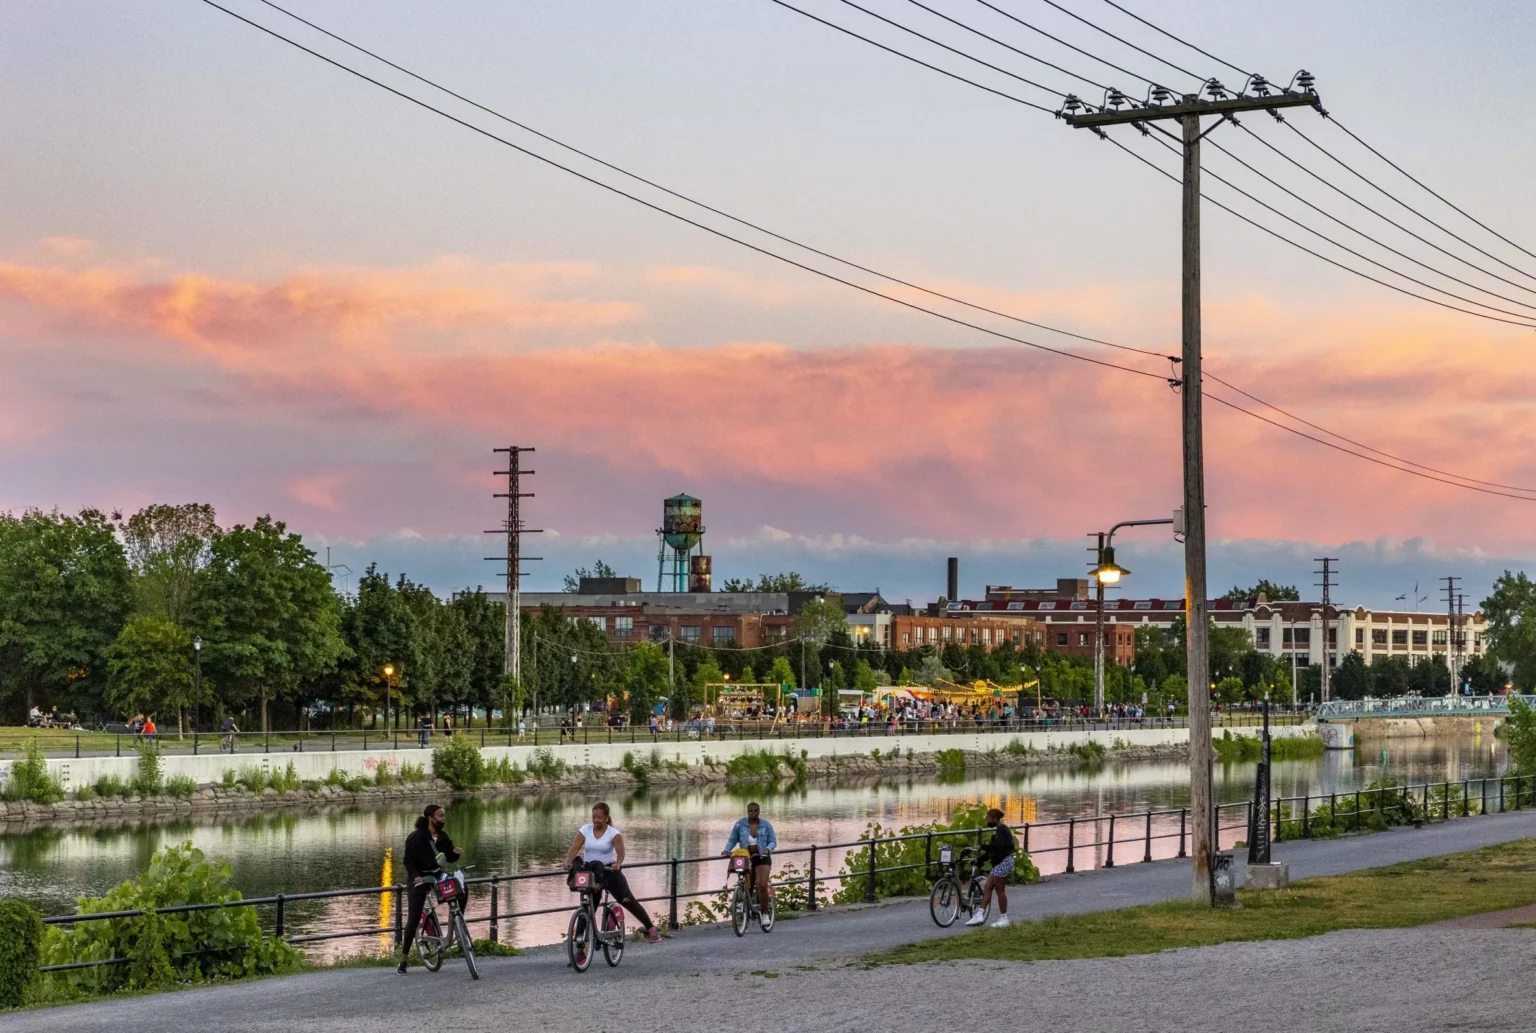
(166, 546)
(788, 581)
(1520, 732)
(1267, 588)
(599, 569)
(1511, 613)
(1352, 678)
(864, 678)
(645, 679)
(783, 672)
(485, 626)
(821, 620)
(151, 668)
(65, 591)
(269, 618)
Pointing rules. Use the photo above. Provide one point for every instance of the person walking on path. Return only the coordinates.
(999, 851)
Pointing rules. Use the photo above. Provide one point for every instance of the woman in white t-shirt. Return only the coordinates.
(599, 846)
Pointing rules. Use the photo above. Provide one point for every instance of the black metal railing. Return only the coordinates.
(82, 743)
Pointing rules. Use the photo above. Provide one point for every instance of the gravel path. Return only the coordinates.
(703, 979)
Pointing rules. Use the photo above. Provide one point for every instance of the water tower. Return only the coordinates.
(681, 532)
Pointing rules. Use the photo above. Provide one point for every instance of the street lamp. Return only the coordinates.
(1107, 572)
(389, 679)
(197, 681)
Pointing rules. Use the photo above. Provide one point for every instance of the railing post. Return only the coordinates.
(333, 740)
(1357, 810)
(1501, 794)
(267, 743)
(1071, 843)
(810, 904)
(119, 741)
(927, 853)
(1026, 838)
(672, 898)
(1445, 803)
(1109, 859)
(1146, 856)
(1464, 793)
(1183, 820)
(77, 744)
(869, 894)
(1306, 817)
(278, 932)
(495, 933)
(1517, 792)
(399, 916)
(1484, 781)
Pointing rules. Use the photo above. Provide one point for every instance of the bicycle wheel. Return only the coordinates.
(975, 890)
(613, 922)
(944, 902)
(578, 940)
(429, 942)
(765, 918)
(741, 908)
(466, 945)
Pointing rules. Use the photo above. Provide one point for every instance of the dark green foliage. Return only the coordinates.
(21, 943)
(30, 780)
(1234, 748)
(165, 949)
(459, 763)
(765, 766)
(146, 781)
(1520, 732)
(966, 827)
(951, 765)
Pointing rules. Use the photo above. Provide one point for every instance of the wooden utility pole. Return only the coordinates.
(512, 657)
(1187, 110)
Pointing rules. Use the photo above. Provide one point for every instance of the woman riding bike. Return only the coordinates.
(421, 869)
(600, 847)
(754, 834)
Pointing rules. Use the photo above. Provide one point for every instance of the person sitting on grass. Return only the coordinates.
(998, 852)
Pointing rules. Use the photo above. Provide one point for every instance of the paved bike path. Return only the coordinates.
(353, 1000)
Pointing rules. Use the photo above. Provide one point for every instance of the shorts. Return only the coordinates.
(761, 860)
(1003, 868)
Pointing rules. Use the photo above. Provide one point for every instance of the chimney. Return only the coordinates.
(954, 579)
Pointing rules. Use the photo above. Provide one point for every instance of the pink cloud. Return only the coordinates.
(990, 442)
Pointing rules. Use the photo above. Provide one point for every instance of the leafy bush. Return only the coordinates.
(1017, 748)
(1384, 804)
(545, 765)
(382, 777)
(503, 771)
(1520, 730)
(253, 778)
(763, 766)
(967, 827)
(108, 786)
(146, 781)
(85, 792)
(458, 762)
(21, 942)
(230, 779)
(1237, 748)
(180, 786)
(195, 946)
(30, 780)
(951, 765)
(413, 773)
(286, 780)
(1092, 751)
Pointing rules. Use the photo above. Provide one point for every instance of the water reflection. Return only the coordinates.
(295, 851)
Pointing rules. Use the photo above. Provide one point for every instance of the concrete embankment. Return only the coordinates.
(571, 767)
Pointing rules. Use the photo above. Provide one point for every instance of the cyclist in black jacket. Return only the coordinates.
(421, 849)
(998, 852)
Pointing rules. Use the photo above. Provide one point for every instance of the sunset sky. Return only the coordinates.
(231, 273)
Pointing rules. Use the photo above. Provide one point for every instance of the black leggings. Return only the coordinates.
(415, 899)
(618, 888)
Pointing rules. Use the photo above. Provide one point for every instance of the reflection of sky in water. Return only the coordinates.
(293, 852)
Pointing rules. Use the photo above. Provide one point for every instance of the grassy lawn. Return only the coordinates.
(1490, 879)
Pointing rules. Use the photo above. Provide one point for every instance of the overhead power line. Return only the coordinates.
(1315, 254)
(1120, 39)
(1345, 129)
(1070, 46)
(1007, 46)
(919, 61)
(744, 222)
(676, 215)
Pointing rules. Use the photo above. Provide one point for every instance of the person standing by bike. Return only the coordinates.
(755, 835)
(421, 869)
(600, 846)
(230, 731)
(998, 853)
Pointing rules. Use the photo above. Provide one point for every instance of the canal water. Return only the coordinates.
(274, 852)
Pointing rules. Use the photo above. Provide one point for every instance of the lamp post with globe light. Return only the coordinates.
(1107, 572)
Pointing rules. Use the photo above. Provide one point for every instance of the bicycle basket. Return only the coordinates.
(946, 855)
(581, 882)
(447, 889)
(739, 863)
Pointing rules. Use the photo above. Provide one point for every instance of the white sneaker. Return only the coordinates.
(1001, 923)
(978, 918)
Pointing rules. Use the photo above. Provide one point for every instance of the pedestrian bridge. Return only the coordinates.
(1419, 706)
